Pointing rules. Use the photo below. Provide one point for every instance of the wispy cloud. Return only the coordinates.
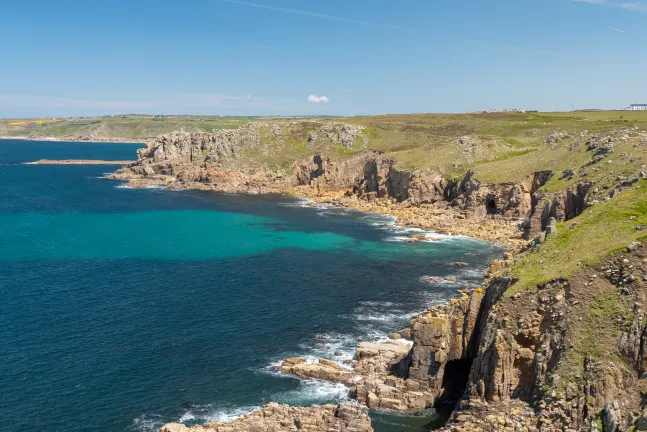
(372, 24)
(633, 6)
(317, 99)
(173, 103)
(218, 100)
(35, 101)
(312, 14)
(617, 30)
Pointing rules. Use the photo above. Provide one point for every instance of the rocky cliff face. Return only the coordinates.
(283, 418)
(529, 346)
(514, 362)
(218, 161)
(562, 206)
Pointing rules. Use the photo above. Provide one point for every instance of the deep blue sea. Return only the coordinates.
(124, 309)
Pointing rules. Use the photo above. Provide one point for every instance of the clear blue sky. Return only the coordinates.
(365, 56)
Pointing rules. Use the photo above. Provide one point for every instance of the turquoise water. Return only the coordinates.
(123, 309)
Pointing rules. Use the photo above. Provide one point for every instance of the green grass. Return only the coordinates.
(510, 146)
(602, 229)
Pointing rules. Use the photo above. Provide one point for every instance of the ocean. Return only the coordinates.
(123, 309)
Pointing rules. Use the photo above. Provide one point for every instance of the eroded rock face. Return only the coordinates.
(525, 339)
(275, 417)
(213, 161)
(198, 147)
(398, 376)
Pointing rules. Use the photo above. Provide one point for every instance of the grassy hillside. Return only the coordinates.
(499, 147)
(132, 126)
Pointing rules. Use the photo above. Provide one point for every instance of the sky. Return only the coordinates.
(319, 57)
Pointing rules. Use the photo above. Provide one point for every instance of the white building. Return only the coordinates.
(638, 107)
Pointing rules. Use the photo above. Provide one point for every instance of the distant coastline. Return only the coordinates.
(118, 140)
(78, 162)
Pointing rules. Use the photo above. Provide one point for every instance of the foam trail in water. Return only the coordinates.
(196, 414)
(315, 392)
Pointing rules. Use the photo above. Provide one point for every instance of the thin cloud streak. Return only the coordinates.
(634, 6)
(313, 14)
(617, 30)
(175, 103)
(371, 24)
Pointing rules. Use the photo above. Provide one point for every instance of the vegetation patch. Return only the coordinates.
(599, 231)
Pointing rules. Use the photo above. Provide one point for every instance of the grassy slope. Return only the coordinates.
(508, 147)
(601, 230)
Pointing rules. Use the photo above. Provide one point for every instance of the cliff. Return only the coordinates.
(239, 160)
(566, 353)
(554, 339)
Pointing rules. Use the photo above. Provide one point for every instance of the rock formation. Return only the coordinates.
(508, 362)
(213, 161)
(274, 417)
(502, 355)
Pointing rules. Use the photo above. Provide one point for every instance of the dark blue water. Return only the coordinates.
(124, 309)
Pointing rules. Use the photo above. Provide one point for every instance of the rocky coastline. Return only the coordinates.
(493, 355)
(275, 417)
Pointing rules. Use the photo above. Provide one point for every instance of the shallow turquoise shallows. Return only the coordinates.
(124, 309)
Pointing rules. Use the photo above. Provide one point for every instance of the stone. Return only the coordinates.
(641, 423)
(275, 417)
(551, 228)
(326, 370)
(633, 246)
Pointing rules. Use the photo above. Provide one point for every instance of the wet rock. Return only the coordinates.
(275, 417)
(326, 370)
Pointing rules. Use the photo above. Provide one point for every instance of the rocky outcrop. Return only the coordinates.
(340, 133)
(518, 362)
(214, 160)
(512, 200)
(326, 370)
(220, 161)
(525, 339)
(401, 377)
(321, 172)
(479, 416)
(563, 206)
(274, 417)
